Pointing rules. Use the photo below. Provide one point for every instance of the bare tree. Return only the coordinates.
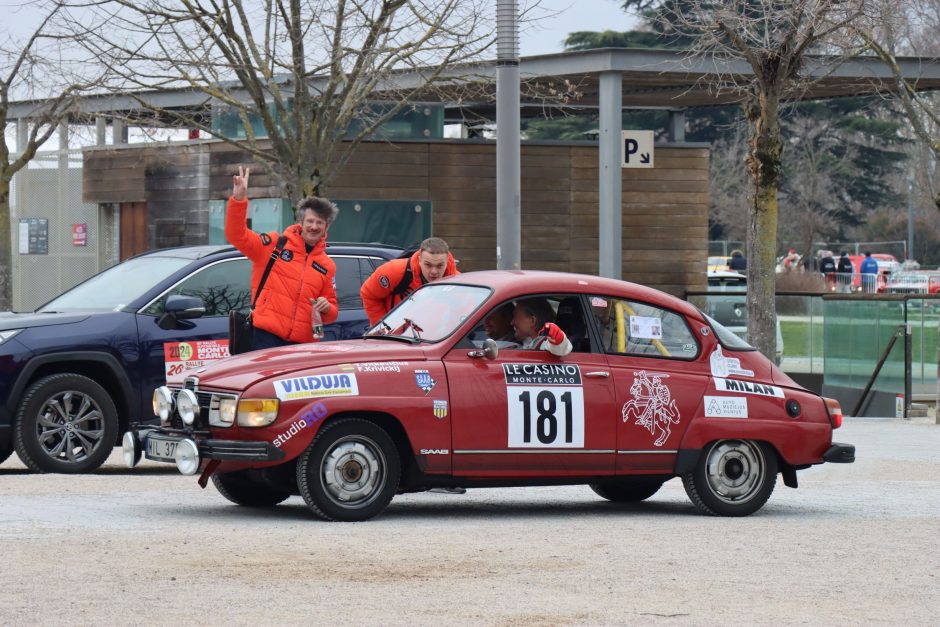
(774, 39)
(45, 66)
(729, 188)
(910, 27)
(304, 82)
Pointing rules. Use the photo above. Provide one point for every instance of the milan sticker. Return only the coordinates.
(760, 389)
(725, 366)
(652, 405)
(725, 407)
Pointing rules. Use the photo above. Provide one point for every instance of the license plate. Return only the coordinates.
(161, 448)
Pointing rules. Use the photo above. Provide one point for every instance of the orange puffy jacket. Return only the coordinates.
(377, 292)
(296, 277)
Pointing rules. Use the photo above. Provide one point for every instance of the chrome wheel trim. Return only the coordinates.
(353, 471)
(735, 470)
(70, 426)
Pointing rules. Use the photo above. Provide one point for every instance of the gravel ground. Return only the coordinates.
(857, 543)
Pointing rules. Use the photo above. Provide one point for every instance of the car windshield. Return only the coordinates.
(117, 286)
(431, 313)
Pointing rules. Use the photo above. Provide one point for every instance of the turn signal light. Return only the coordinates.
(835, 412)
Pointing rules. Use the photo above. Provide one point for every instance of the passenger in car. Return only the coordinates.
(532, 319)
(498, 325)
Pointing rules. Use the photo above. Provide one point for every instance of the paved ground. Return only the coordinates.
(855, 544)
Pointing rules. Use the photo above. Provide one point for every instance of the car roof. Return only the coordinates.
(199, 252)
(509, 284)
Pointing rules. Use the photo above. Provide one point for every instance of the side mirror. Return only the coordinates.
(490, 350)
(180, 307)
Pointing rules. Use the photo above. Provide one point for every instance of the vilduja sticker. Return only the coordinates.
(315, 386)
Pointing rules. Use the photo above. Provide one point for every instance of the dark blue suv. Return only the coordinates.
(77, 371)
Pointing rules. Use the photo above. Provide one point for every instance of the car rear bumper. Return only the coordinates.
(840, 453)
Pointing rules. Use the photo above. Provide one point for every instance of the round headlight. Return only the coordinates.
(162, 402)
(131, 449)
(187, 405)
(187, 457)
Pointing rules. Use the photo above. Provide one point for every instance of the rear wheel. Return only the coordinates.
(66, 423)
(732, 478)
(241, 489)
(350, 472)
(627, 491)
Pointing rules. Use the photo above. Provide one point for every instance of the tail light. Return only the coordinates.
(835, 412)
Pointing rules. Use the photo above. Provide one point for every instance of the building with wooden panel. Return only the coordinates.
(162, 194)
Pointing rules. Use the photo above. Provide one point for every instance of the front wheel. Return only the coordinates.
(350, 472)
(241, 489)
(732, 478)
(627, 491)
(66, 423)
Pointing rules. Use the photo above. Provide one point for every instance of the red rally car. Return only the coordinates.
(653, 389)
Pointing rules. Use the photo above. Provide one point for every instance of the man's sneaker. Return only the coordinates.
(449, 490)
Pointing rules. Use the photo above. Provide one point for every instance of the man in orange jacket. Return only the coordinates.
(302, 277)
(394, 280)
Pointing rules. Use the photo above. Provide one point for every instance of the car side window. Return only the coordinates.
(349, 279)
(565, 311)
(632, 328)
(222, 286)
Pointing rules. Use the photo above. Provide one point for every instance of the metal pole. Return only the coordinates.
(101, 130)
(609, 236)
(508, 171)
(909, 252)
(907, 369)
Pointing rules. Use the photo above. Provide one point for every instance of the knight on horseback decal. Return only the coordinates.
(652, 405)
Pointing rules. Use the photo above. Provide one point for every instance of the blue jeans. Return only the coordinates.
(263, 339)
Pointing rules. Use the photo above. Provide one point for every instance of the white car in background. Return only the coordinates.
(731, 309)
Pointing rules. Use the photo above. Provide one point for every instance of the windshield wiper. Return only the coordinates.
(397, 338)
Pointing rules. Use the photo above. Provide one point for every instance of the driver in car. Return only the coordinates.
(532, 320)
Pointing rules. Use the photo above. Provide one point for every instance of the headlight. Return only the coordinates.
(187, 456)
(224, 416)
(5, 335)
(257, 412)
(187, 405)
(162, 402)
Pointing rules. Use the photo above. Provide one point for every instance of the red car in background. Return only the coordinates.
(653, 390)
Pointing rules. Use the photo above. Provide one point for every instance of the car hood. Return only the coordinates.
(12, 320)
(241, 371)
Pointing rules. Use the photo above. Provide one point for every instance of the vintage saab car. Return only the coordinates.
(653, 389)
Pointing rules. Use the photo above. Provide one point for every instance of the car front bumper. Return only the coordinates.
(187, 449)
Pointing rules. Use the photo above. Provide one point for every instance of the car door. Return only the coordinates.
(658, 379)
(168, 353)
(530, 413)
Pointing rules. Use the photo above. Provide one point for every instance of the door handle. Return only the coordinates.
(600, 374)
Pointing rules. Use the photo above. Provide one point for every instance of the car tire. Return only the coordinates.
(350, 472)
(241, 489)
(732, 478)
(66, 423)
(626, 491)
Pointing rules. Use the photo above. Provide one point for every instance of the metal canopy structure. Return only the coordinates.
(607, 79)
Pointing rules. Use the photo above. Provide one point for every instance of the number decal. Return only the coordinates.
(546, 417)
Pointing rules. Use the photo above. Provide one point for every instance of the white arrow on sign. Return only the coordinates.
(636, 149)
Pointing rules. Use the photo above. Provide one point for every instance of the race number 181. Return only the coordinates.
(549, 417)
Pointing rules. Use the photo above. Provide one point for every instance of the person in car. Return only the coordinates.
(302, 277)
(394, 280)
(532, 320)
(498, 325)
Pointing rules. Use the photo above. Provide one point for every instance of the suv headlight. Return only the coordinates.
(5, 335)
(257, 412)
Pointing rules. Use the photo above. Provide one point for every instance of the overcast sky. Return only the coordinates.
(568, 16)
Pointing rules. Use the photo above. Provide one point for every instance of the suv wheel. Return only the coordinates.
(66, 423)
